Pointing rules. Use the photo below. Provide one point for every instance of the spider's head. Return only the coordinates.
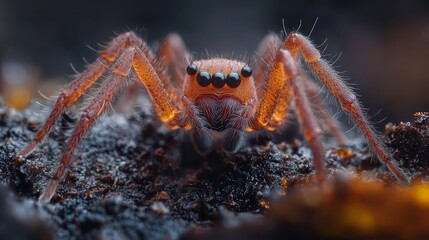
(220, 77)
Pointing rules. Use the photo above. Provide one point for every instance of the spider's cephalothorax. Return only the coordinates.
(215, 97)
(219, 96)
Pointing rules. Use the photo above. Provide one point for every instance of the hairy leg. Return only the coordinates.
(163, 99)
(282, 83)
(296, 43)
(75, 89)
(267, 50)
(174, 59)
(275, 97)
(312, 91)
(125, 102)
(91, 113)
(266, 64)
(132, 57)
(306, 117)
(281, 110)
(174, 55)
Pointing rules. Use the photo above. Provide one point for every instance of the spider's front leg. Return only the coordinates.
(142, 61)
(296, 43)
(268, 56)
(74, 90)
(173, 57)
(283, 83)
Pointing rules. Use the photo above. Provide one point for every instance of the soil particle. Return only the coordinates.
(411, 144)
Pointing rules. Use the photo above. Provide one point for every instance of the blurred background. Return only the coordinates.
(384, 44)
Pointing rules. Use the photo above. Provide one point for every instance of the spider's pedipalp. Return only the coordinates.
(234, 133)
(200, 134)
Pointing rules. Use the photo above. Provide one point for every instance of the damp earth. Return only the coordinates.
(133, 179)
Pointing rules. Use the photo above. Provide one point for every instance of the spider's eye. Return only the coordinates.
(204, 79)
(233, 80)
(246, 71)
(191, 70)
(218, 80)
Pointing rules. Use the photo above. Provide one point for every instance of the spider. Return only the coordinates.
(214, 98)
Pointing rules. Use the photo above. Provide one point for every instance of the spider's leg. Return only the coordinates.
(163, 102)
(266, 52)
(129, 94)
(75, 89)
(163, 98)
(94, 109)
(268, 48)
(175, 56)
(281, 109)
(312, 91)
(297, 43)
(276, 97)
(173, 59)
(312, 131)
(283, 83)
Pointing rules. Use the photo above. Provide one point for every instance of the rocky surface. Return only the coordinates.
(133, 179)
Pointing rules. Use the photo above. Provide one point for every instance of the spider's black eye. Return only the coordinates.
(233, 80)
(191, 70)
(218, 80)
(204, 79)
(246, 71)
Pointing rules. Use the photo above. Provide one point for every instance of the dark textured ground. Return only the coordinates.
(132, 179)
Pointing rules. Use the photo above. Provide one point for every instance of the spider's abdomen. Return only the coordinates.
(219, 113)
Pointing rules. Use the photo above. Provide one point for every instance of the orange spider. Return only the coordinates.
(214, 97)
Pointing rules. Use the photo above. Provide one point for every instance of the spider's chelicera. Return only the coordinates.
(216, 97)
